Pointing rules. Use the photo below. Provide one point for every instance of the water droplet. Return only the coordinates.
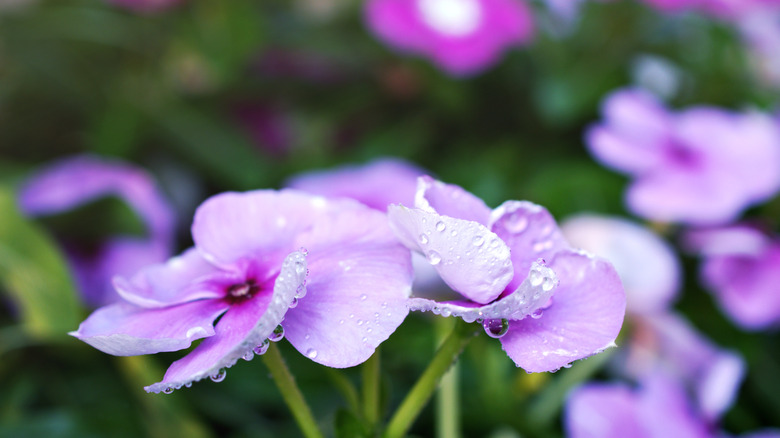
(168, 390)
(303, 251)
(188, 385)
(351, 315)
(294, 302)
(277, 335)
(453, 233)
(423, 239)
(446, 312)
(568, 365)
(306, 336)
(547, 284)
(249, 355)
(478, 240)
(262, 348)
(535, 277)
(359, 322)
(434, 258)
(363, 297)
(220, 376)
(300, 268)
(311, 353)
(440, 226)
(536, 314)
(496, 328)
(300, 292)
(516, 223)
(539, 246)
(341, 321)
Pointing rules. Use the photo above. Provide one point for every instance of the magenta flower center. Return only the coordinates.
(243, 291)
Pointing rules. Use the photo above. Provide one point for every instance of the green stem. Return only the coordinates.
(292, 395)
(346, 388)
(448, 395)
(421, 392)
(371, 389)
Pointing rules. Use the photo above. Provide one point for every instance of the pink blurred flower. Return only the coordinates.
(463, 37)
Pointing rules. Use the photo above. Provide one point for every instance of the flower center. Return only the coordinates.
(242, 291)
(455, 18)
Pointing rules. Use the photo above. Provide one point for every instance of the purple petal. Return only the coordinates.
(234, 226)
(377, 184)
(360, 279)
(665, 410)
(530, 232)
(603, 411)
(125, 330)
(469, 258)
(243, 327)
(532, 294)
(179, 280)
(732, 240)
(72, 182)
(635, 124)
(450, 200)
(585, 316)
(647, 265)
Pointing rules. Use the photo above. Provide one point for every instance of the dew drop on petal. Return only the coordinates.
(168, 390)
(277, 335)
(300, 292)
(535, 277)
(363, 297)
(536, 314)
(294, 302)
(423, 239)
(547, 284)
(249, 355)
(440, 226)
(262, 348)
(496, 328)
(478, 240)
(311, 353)
(453, 233)
(434, 258)
(303, 251)
(220, 376)
(300, 268)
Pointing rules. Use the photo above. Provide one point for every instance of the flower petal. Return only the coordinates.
(584, 319)
(647, 265)
(243, 327)
(377, 184)
(450, 200)
(360, 279)
(232, 226)
(469, 258)
(603, 411)
(532, 294)
(122, 329)
(177, 281)
(530, 232)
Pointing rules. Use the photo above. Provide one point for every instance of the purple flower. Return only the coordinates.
(377, 184)
(497, 261)
(244, 270)
(76, 181)
(646, 264)
(269, 128)
(657, 408)
(742, 268)
(462, 37)
(703, 165)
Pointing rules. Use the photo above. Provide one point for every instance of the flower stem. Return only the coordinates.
(371, 389)
(448, 395)
(292, 395)
(421, 392)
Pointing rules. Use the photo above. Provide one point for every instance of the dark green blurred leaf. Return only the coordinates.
(35, 275)
(347, 425)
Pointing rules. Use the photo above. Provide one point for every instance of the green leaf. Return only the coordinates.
(349, 426)
(35, 275)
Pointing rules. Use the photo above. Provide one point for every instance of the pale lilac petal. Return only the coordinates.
(603, 411)
(648, 267)
(664, 410)
(469, 258)
(179, 280)
(125, 330)
(584, 318)
(243, 327)
(360, 279)
(377, 184)
(746, 287)
(713, 374)
(531, 295)
(530, 232)
(628, 140)
(450, 200)
(233, 226)
(734, 240)
(72, 182)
